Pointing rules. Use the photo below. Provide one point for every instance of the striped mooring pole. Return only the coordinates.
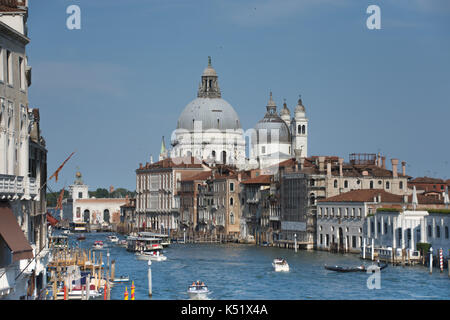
(132, 290)
(125, 295)
(441, 259)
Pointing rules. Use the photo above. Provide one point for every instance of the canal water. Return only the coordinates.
(236, 271)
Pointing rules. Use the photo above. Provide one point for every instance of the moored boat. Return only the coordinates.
(122, 279)
(280, 264)
(361, 268)
(113, 238)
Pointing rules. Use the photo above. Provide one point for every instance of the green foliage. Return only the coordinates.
(447, 211)
(423, 247)
(388, 210)
(52, 198)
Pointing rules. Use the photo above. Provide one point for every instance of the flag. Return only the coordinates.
(60, 198)
(59, 169)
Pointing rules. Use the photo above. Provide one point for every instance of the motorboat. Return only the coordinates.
(114, 239)
(198, 290)
(122, 279)
(122, 243)
(280, 264)
(81, 237)
(98, 245)
(154, 255)
(78, 292)
(361, 268)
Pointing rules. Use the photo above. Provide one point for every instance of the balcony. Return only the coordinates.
(7, 280)
(17, 187)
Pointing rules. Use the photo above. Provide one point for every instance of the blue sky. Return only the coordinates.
(113, 88)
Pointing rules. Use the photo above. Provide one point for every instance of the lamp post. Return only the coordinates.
(431, 260)
(184, 235)
(295, 242)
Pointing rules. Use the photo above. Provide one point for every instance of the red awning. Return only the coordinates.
(12, 234)
(50, 219)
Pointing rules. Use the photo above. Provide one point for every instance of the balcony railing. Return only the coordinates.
(14, 187)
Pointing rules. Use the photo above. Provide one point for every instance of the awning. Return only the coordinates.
(50, 219)
(12, 234)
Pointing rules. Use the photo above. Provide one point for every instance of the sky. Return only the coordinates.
(110, 90)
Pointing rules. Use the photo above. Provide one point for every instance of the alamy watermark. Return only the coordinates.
(374, 281)
(74, 19)
(374, 20)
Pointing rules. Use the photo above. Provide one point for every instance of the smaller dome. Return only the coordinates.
(78, 174)
(300, 107)
(285, 111)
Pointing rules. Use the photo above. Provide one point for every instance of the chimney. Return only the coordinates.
(298, 155)
(328, 169)
(341, 161)
(404, 168)
(394, 168)
(301, 164)
(379, 160)
(321, 164)
(383, 162)
(151, 159)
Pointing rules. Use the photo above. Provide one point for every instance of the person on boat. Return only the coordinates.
(203, 284)
(193, 284)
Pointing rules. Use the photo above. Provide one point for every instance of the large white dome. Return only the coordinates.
(214, 113)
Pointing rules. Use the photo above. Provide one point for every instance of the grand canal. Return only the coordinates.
(234, 271)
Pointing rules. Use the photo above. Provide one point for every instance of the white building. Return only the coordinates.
(404, 229)
(276, 138)
(209, 128)
(23, 166)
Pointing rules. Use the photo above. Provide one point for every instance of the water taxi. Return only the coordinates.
(113, 239)
(164, 238)
(154, 255)
(78, 226)
(142, 243)
(98, 245)
(198, 290)
(280, 264)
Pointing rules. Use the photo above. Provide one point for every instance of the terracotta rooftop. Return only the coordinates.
(183, 162)
(367, 195)
(261, 179)
(12, 6)
(200, 176)
(427, 180)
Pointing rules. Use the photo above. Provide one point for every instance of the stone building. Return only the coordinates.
(128, 221)
(157, 200)
(427, 184)
(209, 127)
(23, 165)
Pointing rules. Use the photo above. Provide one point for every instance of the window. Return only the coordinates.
(21, 73)
(371, 184)
(321, 238)
(263, 149)
(80, 195)
(231, 201)
(231, 218)
(438, 232)
(9, 74)
(353, 241)
(231, 186)
(387, 185)
(299, 129)
(446, 232)
(385, 228)
(429, 231)
(311, 182)
(359, 212)
(303, 129)
(345, 184)
(335, 183)
(400, 185)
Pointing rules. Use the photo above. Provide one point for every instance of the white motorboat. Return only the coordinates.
(150, 255)
(280, 265)
(122, 243)
(122, 279)
(198, 291)
(113, 239)
(98, 245)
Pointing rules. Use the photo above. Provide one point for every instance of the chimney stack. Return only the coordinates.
(394, 167)
(321, 164)
(301, 163)
(298, 155)
(151, 159)
(379, 160)
(404, 168)
(328, 169)
(341, 161)
(383, 162)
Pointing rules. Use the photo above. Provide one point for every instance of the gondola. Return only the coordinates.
(351, 269)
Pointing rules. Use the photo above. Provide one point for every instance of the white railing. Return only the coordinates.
(7, 279)
(11, 185)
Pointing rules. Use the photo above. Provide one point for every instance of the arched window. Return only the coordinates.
(313, 199)
(299, 129)
(400, 185)
(387, 184)
(224, 157)
(345, 184)
(231, 201)
(213, 154)
(371, 184)
(335, 184)
(231, 218)
(106, 215)
(303, 129)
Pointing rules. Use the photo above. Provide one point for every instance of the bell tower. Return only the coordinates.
(299, 129)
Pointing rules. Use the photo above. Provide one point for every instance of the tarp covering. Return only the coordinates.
(50, 219)
(12, 234)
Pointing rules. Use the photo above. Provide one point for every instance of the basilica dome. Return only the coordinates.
(272, 121)
(214, 113)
